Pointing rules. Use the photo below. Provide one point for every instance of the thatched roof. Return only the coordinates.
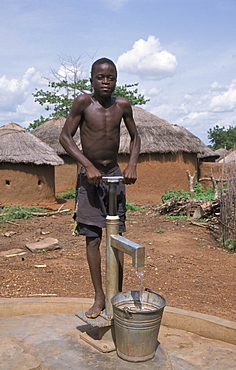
(222, 153)
(157, 136)
(229, 158)
(160, 136)
(19, 146)
(50, 131)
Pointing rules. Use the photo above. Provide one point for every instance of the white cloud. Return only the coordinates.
(196, 110)
(209, 103)
(194, 116)
(215, 85)
(148, 59)
(17, 103)
(115, 4)
(14, 85)
(8, 85)
(162, 110)
(226, 101)
(152, 92)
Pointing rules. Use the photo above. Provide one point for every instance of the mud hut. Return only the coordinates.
(49, 132)
(167, 152)
(219, 170)
(26, 168)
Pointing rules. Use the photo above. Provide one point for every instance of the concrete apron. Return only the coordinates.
(42, 333)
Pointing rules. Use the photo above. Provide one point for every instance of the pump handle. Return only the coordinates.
(112, 178)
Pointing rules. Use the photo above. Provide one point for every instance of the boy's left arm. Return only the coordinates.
(130, 173)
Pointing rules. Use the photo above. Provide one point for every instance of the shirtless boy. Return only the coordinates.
(99, 117)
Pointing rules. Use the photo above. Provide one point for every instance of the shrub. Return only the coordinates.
(17, 212)
(170, 194)
(199, 193)
(229, 244)
(68, 195)
(132, 207)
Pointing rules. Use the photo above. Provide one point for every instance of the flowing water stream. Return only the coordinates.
(140, 273)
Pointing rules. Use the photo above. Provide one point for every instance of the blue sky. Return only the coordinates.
(181, 52)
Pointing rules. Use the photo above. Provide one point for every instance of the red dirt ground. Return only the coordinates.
(184, 262)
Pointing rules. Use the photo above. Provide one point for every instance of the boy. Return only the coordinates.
(99, 116)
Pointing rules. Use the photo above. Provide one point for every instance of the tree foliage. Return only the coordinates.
(220, 137)
(58, 100)
(132, 95)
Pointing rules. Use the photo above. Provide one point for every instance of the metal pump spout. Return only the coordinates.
(135, 250)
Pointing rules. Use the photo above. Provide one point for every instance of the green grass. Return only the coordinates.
(202, 244)
(134, 207)
(68, 195)
(229, 244)
(13, 213)
(181, 217)
(159, 231)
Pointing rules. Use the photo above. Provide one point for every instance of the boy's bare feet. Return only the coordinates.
(98, 306)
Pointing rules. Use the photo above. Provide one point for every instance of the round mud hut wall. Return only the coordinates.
(158, 173)
(26, 184)
(65, 175)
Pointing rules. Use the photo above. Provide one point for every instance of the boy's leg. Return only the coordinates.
(94, 261)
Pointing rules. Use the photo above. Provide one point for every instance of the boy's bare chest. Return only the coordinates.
(100, 117)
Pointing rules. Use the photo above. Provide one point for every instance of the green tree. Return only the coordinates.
(59, 98)
(221, 137)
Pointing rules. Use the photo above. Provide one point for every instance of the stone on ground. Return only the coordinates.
(47, 244)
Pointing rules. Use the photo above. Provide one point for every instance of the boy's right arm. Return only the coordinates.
(66, 138)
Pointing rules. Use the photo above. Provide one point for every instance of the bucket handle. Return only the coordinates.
(149, 290)
(128, 312)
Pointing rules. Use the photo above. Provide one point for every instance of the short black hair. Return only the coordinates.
(102, 61)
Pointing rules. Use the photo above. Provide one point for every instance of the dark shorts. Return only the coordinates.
(92, 204)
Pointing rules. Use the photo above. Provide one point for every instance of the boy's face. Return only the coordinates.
(104, 80)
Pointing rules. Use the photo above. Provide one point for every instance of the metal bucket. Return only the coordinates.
(137, 319)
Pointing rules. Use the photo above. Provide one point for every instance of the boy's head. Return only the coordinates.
(103, 77)
(103, 61)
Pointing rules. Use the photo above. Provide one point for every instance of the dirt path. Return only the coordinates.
(183, 263)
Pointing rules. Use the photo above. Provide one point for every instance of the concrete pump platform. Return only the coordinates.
(44, 333)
